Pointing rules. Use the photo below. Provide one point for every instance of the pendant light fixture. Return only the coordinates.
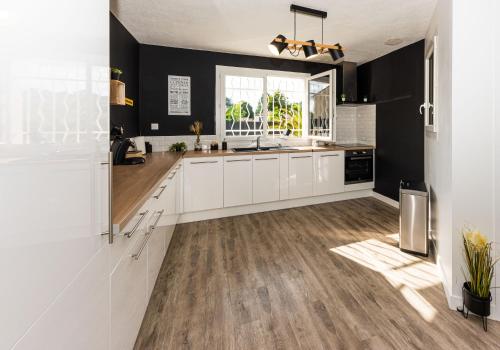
(310, 48)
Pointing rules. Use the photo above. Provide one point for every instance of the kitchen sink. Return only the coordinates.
(255, 149)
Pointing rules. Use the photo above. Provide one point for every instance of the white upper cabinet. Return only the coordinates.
(54, 135)
(203, 183)
(266, 178)
(321, 96)
(237, 180)
(328, 172)
(300, 175)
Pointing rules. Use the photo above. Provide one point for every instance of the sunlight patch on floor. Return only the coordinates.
(403, 271)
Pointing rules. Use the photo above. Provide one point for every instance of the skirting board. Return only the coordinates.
(386, 200)
(285, 204)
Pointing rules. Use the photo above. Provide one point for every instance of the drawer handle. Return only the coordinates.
(137, 255)
(159, 194)
(136, 226)
(160, 213)
(329, 155)
(265, 158)
(237, 160)
(301, 156)
(172, 174)
(205, 162)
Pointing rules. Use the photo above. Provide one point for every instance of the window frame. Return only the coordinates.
(220, 98)
(431, 51)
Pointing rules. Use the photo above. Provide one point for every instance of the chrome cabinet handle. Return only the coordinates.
(153, 227)
(420, 108)
(159, 194)
(109, 163)
(301, 156)
(137, 255)
(329, 155)
(171, 175)
(136, 226)
(238, 160)
(205, 162)
(265, 158)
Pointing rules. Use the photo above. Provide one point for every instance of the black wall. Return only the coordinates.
(124, 54)
(157, 62)
(396, 83)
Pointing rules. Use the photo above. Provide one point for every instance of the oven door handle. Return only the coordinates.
(359, 158)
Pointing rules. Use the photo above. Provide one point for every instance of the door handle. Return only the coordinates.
(423, 105)
(160, 213)
(109, 163)
(159, 194)
(329, 155)
(132, 231)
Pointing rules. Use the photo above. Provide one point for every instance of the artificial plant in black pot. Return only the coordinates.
(480, 265)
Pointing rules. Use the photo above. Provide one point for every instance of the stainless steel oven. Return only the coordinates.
(358, 166)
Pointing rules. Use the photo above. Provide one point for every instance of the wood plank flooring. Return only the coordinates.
(325, 276)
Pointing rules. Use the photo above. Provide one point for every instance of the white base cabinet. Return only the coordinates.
(266, 178)
(203, 183)
(328, 172)
(300, 175)
(237, 180)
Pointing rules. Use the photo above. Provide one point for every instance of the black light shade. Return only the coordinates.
(336, 54)
(277, 47)
(310, 51)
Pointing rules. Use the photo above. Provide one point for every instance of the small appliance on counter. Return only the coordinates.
(120, 149)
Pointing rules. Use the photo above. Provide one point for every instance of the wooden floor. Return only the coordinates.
(325, 276)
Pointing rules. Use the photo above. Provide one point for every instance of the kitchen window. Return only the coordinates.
(254, 102)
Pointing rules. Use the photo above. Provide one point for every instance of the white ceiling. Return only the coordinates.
(247, 26)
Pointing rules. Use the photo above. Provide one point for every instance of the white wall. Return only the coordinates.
(462, 159)
(438, 149)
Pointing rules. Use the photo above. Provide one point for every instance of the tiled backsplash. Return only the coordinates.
(356, 124)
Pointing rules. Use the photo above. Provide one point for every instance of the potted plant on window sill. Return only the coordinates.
(480, 265)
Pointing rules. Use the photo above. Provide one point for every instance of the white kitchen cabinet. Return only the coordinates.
(129, 294)
(237, 180)
(179, 205)
(283, 176)
(300, 175)
(203, 183)
(266, 178)
(328, 172)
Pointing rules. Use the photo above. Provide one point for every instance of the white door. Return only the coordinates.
(328, 172)
(266, 178)
(203, 183)
(300, 175)
(54, 127)
(237, 180)
(321, 95)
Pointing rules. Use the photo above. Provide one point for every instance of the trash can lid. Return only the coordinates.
(413, 187)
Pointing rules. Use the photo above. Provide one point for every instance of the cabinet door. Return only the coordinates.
(328, 172)
(301, 175)
(237, 181)
(203, 183)
(266, 176)
(128, 297)
(178, 192)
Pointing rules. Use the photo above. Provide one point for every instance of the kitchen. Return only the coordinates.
(174, 179)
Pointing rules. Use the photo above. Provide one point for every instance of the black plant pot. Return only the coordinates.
(115, 76)
(475, 304)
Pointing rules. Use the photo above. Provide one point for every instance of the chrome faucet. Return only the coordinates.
(258, 142)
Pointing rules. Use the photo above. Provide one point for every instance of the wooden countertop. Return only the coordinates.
(291, 149)
(134, 184)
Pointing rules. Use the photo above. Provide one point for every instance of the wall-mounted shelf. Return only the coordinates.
(117, 93)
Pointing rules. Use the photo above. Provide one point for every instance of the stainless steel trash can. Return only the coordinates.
(413, 217)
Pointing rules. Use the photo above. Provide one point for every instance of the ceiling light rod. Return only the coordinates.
(307, 43)
(307, 11)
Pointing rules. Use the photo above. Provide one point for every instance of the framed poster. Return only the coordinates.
(179, 95)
